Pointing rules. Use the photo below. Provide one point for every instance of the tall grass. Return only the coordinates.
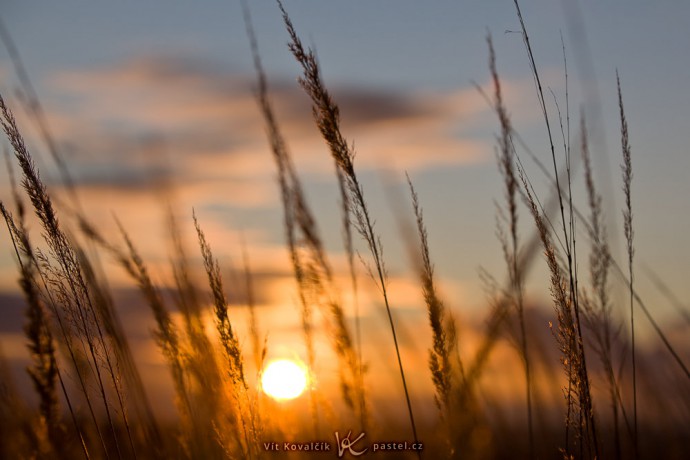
(509, 242)
(326, 116)
(66, 280)
(442, 326)
(597, 306)
(566, 296)
(628, 231)
(82, 363)
(312, 270)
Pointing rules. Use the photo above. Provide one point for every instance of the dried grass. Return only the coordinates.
(75, 338)
(327, 118)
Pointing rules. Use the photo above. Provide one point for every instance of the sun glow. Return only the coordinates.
(284, 379)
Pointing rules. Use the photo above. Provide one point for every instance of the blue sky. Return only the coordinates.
(112, 76)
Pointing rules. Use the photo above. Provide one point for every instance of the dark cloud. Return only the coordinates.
(364, 105)
(188, 89)
(131, 125)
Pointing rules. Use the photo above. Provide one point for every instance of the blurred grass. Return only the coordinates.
(493, 385)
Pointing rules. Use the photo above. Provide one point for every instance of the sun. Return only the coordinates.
(284, 379)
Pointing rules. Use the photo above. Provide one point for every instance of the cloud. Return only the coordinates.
(129, 128)
(202, 110)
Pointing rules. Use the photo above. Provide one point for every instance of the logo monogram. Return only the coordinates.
(347, 445)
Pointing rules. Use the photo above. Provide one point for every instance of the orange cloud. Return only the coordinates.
(202, 111)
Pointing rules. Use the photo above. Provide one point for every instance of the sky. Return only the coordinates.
(144, 93)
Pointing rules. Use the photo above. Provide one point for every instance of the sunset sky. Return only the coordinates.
(141, 93)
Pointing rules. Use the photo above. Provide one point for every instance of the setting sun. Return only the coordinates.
(284, 379)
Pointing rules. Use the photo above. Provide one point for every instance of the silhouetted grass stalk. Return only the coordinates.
(598, 310)
(291, 196)
(251, 304)
(44, 372)
(350, 251)
(586, 426)
(166, 336)
(584, 223)
(22, 245)
(34, 107)
(507, 168)
(231, 346)
(68, 279)
(442, 327)
(205, 388)
(312, 270)
(628, 230)
(326, 115)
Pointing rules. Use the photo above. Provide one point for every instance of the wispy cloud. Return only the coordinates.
(203, 110)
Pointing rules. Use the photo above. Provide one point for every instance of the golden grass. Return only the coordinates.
(80, 355)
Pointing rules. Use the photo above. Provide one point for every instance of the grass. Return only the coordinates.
(509, 242)
(628, 231)
(92, 400)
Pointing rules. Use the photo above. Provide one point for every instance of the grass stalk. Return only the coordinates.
(584, 223)
(327, 118)
(442, 327)
(587, 425)
(166, 336)
(626, 169)
(312, 270)
(45, 371)
(67, 334)
(228, 339)
(230, 345)
(251, 304)
(35, 109)
(292, 203)
(597, 312)
(76, 296)
(350, 251)
(507, 168)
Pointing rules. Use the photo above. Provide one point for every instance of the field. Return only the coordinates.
(204, 264)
